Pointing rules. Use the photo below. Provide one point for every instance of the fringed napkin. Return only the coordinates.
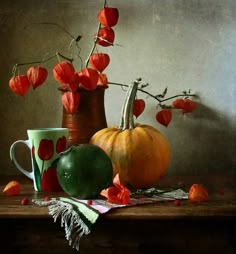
(78, 216)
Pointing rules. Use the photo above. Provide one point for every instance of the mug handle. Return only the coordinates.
(13, 158)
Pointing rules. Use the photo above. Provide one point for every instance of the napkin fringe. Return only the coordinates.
(73, 225)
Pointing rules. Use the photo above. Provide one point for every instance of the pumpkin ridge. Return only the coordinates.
(122, 155)
(164, 147)
(108, 140)
(142, 170)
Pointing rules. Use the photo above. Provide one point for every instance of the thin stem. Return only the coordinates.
(67, 58)
(74, 39)
(15, 67)
(94, 45)
(95, 40)
(153, 96)
(55, 24)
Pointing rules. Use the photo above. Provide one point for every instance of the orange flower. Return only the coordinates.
(117, 193)
(197, 193)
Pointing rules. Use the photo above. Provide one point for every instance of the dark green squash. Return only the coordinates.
(84, 171)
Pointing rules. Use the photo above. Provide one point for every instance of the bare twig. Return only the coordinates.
(153, 96)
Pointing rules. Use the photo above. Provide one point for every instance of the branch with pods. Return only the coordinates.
(92, 76)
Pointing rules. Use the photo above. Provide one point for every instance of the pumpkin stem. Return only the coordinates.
(127, 120)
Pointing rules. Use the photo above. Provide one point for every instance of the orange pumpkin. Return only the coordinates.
(139, 153)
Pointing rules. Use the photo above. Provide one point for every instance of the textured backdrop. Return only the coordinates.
(179, 44)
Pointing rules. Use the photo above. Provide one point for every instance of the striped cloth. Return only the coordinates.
(78, 216)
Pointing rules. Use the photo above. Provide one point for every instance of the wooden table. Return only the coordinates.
(207, 227)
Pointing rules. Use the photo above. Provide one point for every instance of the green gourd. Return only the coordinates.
(84, 171)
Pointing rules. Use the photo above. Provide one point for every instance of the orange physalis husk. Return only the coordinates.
(12, 188)
(102, 80)
(164, 117)
(197, 193)
(186, 105)
(106, 37)
(64, 72)
(178, 103)
(117, 193)
(19, 84)
(138, 107)
(99, 61)
(88, 78)
(108, 16)
(37, 75)
(73, 85)
(70, 101)
(189, 106)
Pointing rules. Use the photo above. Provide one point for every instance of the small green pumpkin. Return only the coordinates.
(84, 171)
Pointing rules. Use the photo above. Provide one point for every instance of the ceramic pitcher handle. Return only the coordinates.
(13, 158)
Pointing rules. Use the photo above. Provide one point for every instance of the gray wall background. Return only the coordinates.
(181, 44)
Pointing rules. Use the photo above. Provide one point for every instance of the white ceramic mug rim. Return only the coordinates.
(48, 129)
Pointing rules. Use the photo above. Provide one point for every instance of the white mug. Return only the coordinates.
(45, 145)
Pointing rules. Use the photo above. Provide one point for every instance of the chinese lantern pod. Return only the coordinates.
(164, 117)
(70, 101)
(106, 37)
(64, 72)
(138, 107)
(99, 61)
(37, 75)
(186, 105)
(189, 106)
(178, 103)
(88, 78)
(73, 85)
(19, 84)
(108, 16)
(102, 80)
(198, 193)
(12, 188)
